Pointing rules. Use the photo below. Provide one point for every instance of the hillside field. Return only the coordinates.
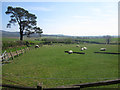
(51, 67)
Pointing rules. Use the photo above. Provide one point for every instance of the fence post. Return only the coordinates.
(7, 55)
(17, 53)
(39, 87)
(4, 55)
(11, 55)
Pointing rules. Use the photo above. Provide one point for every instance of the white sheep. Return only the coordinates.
(82, 48)
(102, 49)
(37, 46)
(85, 48)
(70, 52)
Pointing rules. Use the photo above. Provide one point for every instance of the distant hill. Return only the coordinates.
(16, 34)
(9, 34)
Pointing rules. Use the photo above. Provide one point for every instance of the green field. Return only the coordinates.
(52, 67)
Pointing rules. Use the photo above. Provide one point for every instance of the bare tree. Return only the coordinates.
(108, 38)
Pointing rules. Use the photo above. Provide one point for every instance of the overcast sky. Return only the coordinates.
(70, 18)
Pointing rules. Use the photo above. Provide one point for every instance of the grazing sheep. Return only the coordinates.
(82, 48)
(77, 45)
(37, 46)
(102, 49)
(85, 48)
(70, 52)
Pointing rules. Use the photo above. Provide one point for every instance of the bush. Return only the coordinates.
(7, 44)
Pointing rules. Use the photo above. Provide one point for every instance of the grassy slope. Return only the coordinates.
(52, 62)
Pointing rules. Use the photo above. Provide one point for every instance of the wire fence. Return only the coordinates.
(84, 85)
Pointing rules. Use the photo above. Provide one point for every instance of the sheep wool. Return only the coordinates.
(82, 49)
(37, 46)
(102, 49)
(85, 48)
(70, 52)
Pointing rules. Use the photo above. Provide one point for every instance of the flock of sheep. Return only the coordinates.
(85, 48)
(82, 48)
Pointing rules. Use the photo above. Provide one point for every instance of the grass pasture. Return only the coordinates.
(52, 67)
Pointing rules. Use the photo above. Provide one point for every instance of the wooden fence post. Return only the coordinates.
(39, 87)
(11, 55)
(4, 55)
(7, 56)
(17, 53)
